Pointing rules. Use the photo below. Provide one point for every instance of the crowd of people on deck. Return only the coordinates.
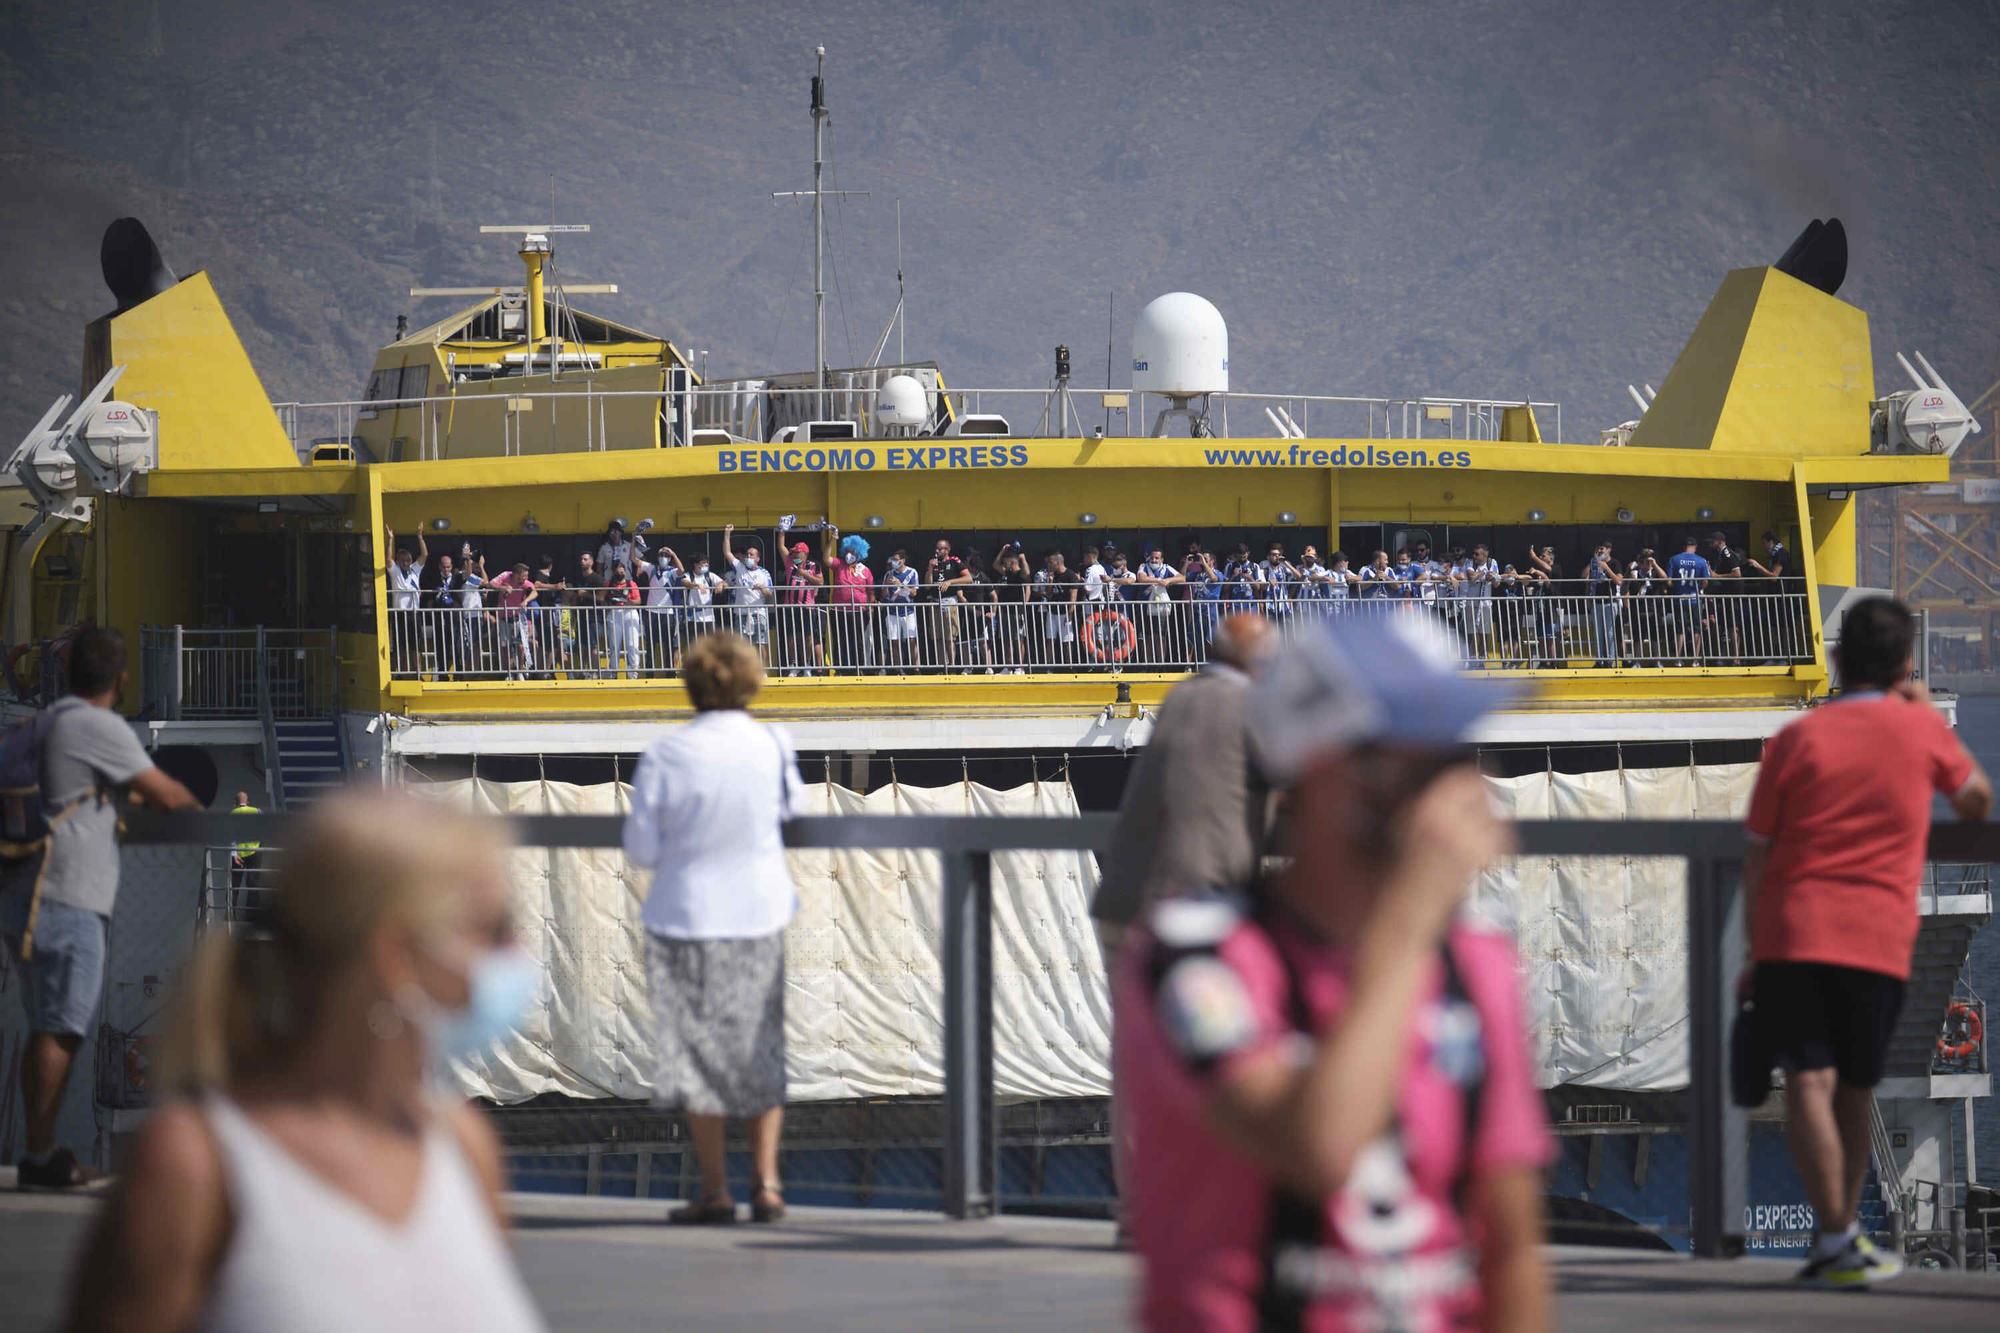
(631, 607)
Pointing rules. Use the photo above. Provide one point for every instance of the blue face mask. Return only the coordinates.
(501, 985)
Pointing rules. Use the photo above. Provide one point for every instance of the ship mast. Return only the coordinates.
(819, 196)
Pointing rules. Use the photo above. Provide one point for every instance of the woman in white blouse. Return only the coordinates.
(707, 803)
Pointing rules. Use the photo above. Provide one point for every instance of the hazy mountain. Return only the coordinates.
(1527, 199)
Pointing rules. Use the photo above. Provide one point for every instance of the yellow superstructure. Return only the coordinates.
(476, 427)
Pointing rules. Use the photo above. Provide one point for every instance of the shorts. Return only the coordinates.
(1057, 627)
(62, 983)
(902, 625)
(1819, 1016)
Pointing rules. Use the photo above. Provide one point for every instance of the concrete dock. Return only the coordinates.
(610, 1264)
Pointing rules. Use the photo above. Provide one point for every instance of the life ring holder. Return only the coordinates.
(1109, 624)
(1974, 1029)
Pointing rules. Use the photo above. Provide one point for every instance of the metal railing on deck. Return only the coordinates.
(586, 418)
(1015, 628)
(197, 674)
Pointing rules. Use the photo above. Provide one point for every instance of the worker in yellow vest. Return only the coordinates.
(243, 858)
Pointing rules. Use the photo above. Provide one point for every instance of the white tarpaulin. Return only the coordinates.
(1602, 941)
(864, 1001)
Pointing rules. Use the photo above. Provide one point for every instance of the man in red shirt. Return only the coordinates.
(1838, 825)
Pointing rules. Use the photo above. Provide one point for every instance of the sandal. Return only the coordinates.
(761, 1211)
(709, 1213)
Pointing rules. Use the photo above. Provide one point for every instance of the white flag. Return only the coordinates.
(785, 522)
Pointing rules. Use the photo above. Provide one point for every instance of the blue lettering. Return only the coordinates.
(958, 456)
(725, 460)
(793, 459)
(978, 455)
(918, 458)
(896, 463)
(937, 456)
(1319, 458)
(770, 460)
(747, 461)
(839, 458)
(815, 460)
(1338, 458)
(1020, 455)
(1401, 457)
(1465, 458)
(864, 459)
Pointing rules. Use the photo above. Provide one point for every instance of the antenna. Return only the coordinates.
(1110, 331)
(819, 196)
(539, 257)
(899, 283)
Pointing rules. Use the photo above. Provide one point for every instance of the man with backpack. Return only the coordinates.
(65, 773)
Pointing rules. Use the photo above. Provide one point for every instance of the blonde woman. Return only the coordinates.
(707, 802)
(310, 1177)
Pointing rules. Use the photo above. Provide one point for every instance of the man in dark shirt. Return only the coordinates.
(1726, 583)
(586, 599)
(1010, 626)
(944, 577)
(1784, 623)
(547, 612)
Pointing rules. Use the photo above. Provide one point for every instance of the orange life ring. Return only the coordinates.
(1108, 624)
(1974, 1029)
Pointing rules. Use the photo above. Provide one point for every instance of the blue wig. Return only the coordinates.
(854, 546)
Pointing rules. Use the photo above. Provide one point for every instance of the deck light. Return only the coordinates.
(528, 524)
(874, 520)
(1287, 516)
(1537, 516)
(440, 525)
(1088, 520)
(1704, 514)
(1623, 515)
(267, 506)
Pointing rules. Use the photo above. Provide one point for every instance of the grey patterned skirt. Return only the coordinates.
(719, 1019)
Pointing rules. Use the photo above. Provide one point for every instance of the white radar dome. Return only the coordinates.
(902, 402)
(1180, 347)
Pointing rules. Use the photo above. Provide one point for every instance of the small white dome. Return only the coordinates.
(1180, 347)
(902, 402)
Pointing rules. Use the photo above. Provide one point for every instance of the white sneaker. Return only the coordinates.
(1860, 1263)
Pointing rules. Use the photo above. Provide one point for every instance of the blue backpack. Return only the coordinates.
(24, 821)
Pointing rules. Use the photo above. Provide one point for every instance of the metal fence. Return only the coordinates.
(196, 674)
(1014, 628)
(597, 419)
(965, 1150)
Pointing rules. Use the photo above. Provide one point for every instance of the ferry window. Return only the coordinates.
(383, 384)
(416, 382)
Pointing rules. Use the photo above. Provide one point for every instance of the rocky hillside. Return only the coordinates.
(1384, 198)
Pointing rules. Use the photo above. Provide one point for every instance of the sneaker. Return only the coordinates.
(61, 1172)
(1860, 1263)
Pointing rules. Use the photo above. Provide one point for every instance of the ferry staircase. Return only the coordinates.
(305, 751)
(1956, 901)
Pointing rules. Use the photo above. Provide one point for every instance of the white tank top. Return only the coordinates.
(305, 1258)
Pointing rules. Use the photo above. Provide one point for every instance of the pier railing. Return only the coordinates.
(987, 628)
(1717, 1129)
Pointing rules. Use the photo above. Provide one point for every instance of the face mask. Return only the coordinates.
(750, 561)
(700, 570)
(500, 987)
